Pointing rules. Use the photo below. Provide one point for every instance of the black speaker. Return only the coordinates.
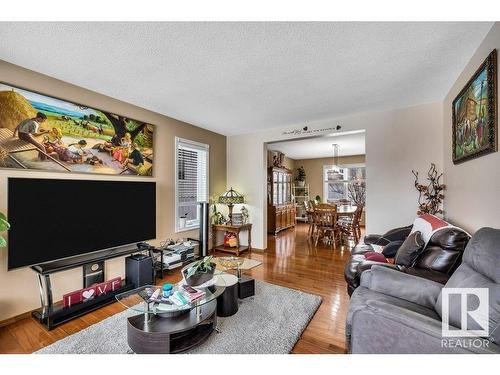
(139, 270)
(93, 273)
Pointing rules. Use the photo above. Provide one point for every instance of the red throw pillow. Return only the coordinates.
(376, 257)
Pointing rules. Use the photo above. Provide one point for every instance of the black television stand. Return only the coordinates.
(50, 314)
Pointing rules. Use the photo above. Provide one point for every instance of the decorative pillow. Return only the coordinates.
(411, 248)
(391, 248)
(376, 257)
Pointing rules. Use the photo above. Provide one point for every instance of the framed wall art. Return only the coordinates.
(42, 132)
(475, 114)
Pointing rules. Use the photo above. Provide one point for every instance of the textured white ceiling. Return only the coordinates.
(236, 78)
(351, 143)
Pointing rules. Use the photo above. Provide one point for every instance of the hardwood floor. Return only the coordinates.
(290, 261)
(294, 262)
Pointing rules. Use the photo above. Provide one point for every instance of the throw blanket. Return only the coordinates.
(429, 224)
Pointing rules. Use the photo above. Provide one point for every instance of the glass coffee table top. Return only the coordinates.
(150, 299)
(231, 262)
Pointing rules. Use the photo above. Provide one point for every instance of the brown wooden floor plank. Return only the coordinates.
(30, 335)
(8, 343)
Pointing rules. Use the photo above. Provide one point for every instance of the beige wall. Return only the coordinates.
(397, 141)
(473, 187)
(314, 171)
(18, 292)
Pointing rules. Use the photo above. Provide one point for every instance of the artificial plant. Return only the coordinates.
(301, 176)
(430, 196)
(200, 266)
(217, 216)
(4, 226)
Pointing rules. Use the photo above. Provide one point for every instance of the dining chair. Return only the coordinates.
(349, 226)
(309, 219)
(358, 220)
(325, 225)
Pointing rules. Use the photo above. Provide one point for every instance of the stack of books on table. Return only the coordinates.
(182, 297)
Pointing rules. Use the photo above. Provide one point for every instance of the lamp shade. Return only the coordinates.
(231, 197)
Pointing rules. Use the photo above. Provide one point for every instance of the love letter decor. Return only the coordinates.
(86, 294)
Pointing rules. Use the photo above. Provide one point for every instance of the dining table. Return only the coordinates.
(341, 210)
(346, 210)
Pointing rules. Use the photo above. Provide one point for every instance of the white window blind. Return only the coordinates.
(191, 182)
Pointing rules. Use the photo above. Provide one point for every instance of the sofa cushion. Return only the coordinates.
(362, 296)
(400, 285)
(444, 251)
(361, 249)
(436, 276)
(483, 253)
(396, 234)
(372, 238)
(368, 264)
(438, 259)
(451, 238)
(392, 248)
(376, 257)
(410, 249)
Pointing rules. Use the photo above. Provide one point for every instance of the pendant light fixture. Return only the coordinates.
(334, 173)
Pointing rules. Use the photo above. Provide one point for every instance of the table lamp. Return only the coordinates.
(230, 198)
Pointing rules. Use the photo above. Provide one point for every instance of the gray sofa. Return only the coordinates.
(394, 312)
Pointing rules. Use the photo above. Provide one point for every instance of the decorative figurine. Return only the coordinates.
(278, 159)
(244, 214)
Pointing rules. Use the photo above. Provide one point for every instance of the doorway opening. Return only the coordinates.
(327, 170)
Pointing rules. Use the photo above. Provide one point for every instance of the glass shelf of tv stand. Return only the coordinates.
(139, 299)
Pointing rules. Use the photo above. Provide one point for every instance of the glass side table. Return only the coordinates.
(232, 263)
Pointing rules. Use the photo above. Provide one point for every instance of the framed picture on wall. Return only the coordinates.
(42, 132)
(474, 112)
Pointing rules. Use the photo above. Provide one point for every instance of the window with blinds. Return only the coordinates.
(336, 190)
(191, 182)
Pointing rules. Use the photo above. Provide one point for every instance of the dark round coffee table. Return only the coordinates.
(161, 328)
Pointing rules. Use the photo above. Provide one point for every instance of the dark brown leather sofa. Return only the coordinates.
(440, 258)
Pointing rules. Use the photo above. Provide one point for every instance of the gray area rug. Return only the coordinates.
(270, 322)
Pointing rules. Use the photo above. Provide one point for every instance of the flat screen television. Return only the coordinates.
(55, 219)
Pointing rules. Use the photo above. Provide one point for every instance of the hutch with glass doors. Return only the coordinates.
(280, 205)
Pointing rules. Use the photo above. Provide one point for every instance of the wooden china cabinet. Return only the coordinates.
(280, 206)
